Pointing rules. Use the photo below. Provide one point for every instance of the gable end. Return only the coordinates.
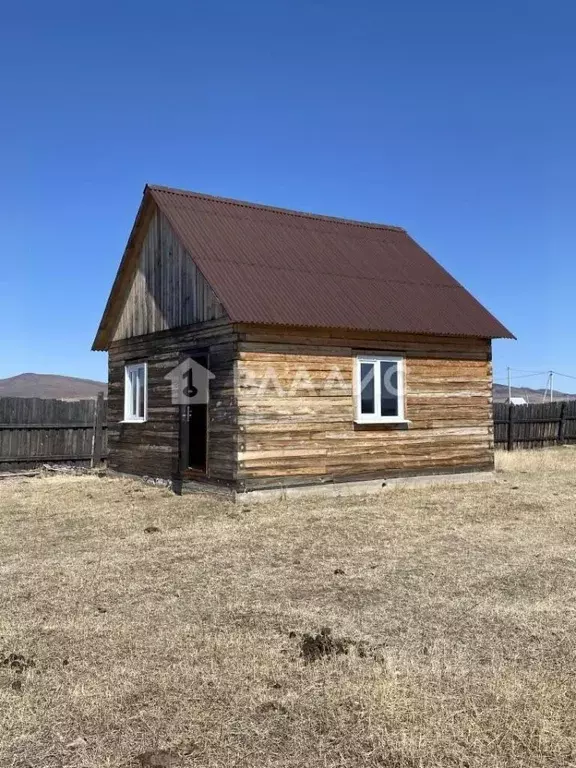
(158, 286)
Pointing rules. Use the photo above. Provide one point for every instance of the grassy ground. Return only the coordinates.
(187, 646)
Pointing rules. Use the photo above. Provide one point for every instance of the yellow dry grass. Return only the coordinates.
(183, 646)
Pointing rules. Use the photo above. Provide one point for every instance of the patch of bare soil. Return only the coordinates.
(314, 647)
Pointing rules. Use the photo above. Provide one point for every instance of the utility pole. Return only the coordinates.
(551, 386)
(509, 386)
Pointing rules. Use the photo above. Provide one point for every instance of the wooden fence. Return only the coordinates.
(534, 426)
(34, 431)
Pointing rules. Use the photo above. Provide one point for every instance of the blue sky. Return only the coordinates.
(454, 120)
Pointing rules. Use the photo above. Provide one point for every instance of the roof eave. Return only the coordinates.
(504, 333)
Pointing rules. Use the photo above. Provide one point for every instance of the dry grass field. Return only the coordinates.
(452, 614)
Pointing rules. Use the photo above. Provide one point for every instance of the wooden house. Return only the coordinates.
(326, 351)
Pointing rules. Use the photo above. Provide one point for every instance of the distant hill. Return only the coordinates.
(47, 385)
(500, 394)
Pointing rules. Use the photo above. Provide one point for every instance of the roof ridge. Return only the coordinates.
(271, 208)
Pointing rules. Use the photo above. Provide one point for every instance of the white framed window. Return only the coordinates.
(136, 392)
(379, 389)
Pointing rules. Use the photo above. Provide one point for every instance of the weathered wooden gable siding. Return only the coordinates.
(310, 431)
(167, 291)
(152, 448)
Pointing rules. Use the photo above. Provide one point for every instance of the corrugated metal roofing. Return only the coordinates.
(274, 266)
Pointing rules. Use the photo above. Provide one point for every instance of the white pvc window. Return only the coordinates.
(136, 392)
(379, 389)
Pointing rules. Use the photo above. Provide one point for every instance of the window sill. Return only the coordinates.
(381, 425)
(133, 421)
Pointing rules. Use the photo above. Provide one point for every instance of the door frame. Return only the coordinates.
(184, 421)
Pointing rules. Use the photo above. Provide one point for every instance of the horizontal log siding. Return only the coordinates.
(151, 448)
(311, 433)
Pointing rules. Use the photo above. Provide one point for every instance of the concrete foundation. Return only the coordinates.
(359, 487)
(318, 490)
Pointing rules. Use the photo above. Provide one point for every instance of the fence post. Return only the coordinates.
(561, 423)
(97, 433)
(510, 427)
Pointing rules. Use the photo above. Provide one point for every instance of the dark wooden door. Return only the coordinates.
(194, 416)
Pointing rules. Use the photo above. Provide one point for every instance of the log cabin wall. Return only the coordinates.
(309, 433)
(260, 436)
(168, 290)
(152, 447)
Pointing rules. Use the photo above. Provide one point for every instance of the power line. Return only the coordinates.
(564, 375)
(521, 373)
(524, 376)
(521, 370)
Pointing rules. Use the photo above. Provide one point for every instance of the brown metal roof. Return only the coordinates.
(275, 266)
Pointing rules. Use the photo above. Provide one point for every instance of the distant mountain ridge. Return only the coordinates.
(500, 394)
(47, 385)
